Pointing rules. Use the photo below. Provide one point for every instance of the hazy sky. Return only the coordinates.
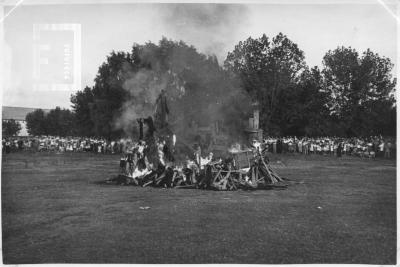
(212, 28)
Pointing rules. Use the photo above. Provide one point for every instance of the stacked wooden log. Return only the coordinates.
(263, 176)
(259, 176)
(161, 177)
(218, 175)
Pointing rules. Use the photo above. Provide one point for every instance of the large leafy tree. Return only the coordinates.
(303, 108)
(107, 96)
(361, 90)
(10, 127)
(60, 122)
(57, 122)
(36, 123)
(80, 104)
(266, 69)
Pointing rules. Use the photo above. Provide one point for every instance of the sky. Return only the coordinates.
(43, 67)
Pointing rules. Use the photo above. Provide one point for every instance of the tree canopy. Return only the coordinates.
(35, 122)
(361, 91)
(10, 127)
(268, 70)
(59, 122)
(127, 85)
(351, 95)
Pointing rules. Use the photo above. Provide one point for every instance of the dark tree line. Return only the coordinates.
(10, 127)
(127, 86)
(352, 95)
(59, 122)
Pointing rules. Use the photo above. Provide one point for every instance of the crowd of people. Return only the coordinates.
(371, 147)
(65, 144)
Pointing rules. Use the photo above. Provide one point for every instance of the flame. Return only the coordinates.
(137, 173)
(235, 148)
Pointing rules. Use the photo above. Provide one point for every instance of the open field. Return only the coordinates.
(335, 211)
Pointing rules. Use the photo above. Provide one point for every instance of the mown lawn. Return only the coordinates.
(54, 210)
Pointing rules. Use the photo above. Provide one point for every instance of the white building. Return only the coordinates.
(18, 114)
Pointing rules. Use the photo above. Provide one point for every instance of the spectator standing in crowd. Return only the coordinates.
(388, 147)
(339, 150)
(370, 147)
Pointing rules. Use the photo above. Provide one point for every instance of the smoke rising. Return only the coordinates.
(213, 28)
(144, 87)
(197, 89)
(199, 92)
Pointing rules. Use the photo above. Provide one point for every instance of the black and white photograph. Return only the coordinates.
(199, 132)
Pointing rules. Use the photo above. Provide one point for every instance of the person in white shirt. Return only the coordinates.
(381, 148)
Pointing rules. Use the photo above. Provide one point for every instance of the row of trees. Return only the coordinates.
(352, 95)
(127, 85)
(59, 122)
(10, 127)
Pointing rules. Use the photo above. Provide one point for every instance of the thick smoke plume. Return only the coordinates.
(200, 93)
(214, 28)
(144, 87)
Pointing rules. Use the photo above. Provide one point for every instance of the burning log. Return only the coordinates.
(151, 163)
(216, 175)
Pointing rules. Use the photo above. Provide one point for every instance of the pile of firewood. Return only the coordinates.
(218, 175)
(223, 177)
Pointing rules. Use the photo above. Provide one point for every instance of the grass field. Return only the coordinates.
(54, 210)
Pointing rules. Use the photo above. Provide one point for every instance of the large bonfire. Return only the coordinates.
(151, 162)
(244, 169)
